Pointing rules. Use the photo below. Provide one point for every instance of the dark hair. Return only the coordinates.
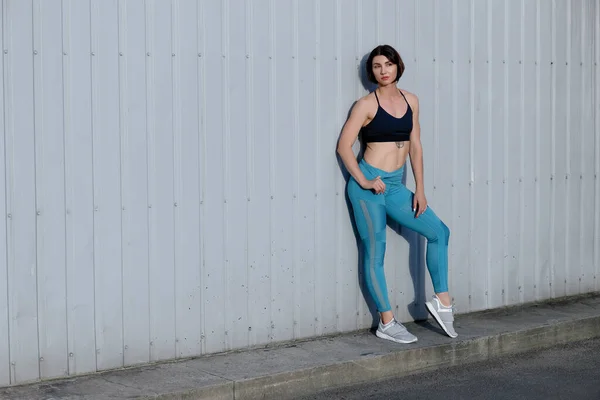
(391, 54)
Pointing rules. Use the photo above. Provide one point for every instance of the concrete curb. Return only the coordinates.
(404, 362)
(217, 392)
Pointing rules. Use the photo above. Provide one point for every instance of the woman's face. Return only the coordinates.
(384, 70)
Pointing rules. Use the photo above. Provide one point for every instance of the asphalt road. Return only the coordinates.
(566, 372)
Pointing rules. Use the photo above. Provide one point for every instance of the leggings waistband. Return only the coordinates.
(374, 171)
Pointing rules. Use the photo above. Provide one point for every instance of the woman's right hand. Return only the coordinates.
(374, 184)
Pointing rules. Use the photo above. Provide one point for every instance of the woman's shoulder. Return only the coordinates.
(367, 99)
(366, 103)
(409, 94)
(412, 98)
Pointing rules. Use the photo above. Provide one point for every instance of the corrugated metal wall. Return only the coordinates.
(172, 188)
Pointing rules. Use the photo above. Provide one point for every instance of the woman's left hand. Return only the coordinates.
(419, 203)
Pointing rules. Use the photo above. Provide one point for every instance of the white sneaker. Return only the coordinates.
(443, 315)
(395, 331)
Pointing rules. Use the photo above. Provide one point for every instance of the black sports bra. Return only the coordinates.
(384, 127)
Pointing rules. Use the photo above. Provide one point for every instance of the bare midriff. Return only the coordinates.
(387, 156)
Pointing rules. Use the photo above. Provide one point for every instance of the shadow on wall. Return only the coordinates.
(416, 242)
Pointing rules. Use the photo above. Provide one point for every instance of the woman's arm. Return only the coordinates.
(349, 134)
(416, 160)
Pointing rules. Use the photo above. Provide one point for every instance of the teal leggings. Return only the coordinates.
(370, 211)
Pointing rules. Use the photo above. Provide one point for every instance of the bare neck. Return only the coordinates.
(388, 91)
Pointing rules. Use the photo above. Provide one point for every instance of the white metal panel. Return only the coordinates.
(330, 181)
(21, 191)
(160, 182)
(107, 183)
(213, 93)
(327, 213)
(282, 174)
(425, 53)
(50, 187)
(472, 295)
(528, 95)
(202, 164)
(4, 299)
(573, 148)
(585, 154)
(259, 165)
(134, 184)
(338, 64)
(479, 174)
(440, 196)
(236, 176)
(497, 151)
(187, 180)
(79, 189)
(305, 169)
(544, 151)
(513, 151)
(561, 100)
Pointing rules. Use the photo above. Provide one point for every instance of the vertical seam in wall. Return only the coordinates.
(336, 181)
(472, 141)
(226, 160)
(489, 55)
(122, 132)
(317, 210)
(436, 98)
(567, 149)
(35, 180)
(295, 162)
(582, 136)
(522, 62)
(596, 123)
(595, 42)
(176, 136)
(553, 153)
(377, 20)
(272, 110)
(11, 378)
(148, 71)
(455, 139)
(537, 202)
(64, 145)
(416, 36)
(92, 105)
(201, 47)
(249, 154)
(505, 172)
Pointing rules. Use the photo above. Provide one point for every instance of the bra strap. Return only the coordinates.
(404, 97)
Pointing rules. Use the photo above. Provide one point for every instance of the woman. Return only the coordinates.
(388, 121)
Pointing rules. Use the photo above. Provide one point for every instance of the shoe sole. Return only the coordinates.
(388, 337)
(436, 316)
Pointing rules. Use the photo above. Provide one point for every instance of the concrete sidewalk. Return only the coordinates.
(306, 367)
